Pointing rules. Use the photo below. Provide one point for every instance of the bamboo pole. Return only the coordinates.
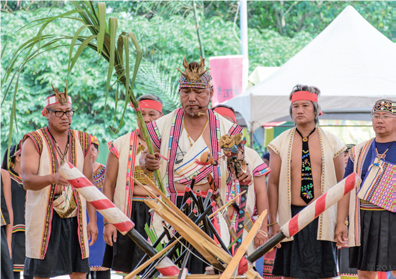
(198, 33)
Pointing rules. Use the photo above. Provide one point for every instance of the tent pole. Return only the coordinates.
(251, 135)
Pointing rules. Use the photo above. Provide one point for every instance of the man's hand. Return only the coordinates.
(110, 234)
(273, 230)
(92, 231)
(152, 162)
(341, 234)
(261, 238)
(59, 180)
(245, 177)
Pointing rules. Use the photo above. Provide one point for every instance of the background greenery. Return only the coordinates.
(166, 32)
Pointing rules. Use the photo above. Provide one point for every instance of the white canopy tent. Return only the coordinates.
(351, 62)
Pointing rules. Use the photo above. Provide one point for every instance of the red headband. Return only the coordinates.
(149, 104)
(304, 95)
(225, 112)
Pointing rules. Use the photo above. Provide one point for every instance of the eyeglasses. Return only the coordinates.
(384, 117)
(59, 113)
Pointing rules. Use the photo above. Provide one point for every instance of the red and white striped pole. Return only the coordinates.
(309, 213)
(113, 215)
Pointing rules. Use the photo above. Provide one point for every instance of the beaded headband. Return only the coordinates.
(382, 105)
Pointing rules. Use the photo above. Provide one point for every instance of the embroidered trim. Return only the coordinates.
(18, 267)
(113, 149)
(175, 131)
(18, 228)
(340, 151)
(154, 134)
(99, 176)
(273, 148)
(15, 177)
(322, 182)
(37, 141)
(261, 170)
(352, 154)
(85, 141)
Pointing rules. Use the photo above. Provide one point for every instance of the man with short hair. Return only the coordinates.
(306, 162)
(57, 233)
(257, 199)
(122, 254)
(183, 136)
(372, 225)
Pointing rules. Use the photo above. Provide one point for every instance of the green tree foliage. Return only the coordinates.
(164, 41)
(287, 18)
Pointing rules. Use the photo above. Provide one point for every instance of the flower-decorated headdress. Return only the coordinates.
(195, 75)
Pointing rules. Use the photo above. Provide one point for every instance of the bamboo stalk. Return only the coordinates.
(198, 33)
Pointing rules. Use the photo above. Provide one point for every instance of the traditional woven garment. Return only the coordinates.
(379, 186)
(165, 133)
(331, 147)
(127, 149)
(40, 203)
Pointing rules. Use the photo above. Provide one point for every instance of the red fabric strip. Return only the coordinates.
(304, 95)
(150, 104)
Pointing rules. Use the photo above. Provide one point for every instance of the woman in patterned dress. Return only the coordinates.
(96, 251)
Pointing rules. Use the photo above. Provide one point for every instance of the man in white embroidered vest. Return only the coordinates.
(122, 254)
(257, 199)
(372, 217)
(183, 136)
(57, 233)
(306, 162)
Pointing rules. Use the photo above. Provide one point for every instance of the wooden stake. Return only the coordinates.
(242, 249)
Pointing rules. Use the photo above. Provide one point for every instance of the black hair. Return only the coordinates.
(13, 149)
(266, 156)
(96, 146)
(149, 97)
(312, 89)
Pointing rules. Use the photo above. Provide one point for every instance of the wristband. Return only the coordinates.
(272, 224)
(104, 225)
(148, 168)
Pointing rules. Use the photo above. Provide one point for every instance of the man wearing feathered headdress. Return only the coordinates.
(57, 233)
(371, 209)
(184, 135)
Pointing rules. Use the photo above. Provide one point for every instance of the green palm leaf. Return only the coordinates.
(94, 21)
